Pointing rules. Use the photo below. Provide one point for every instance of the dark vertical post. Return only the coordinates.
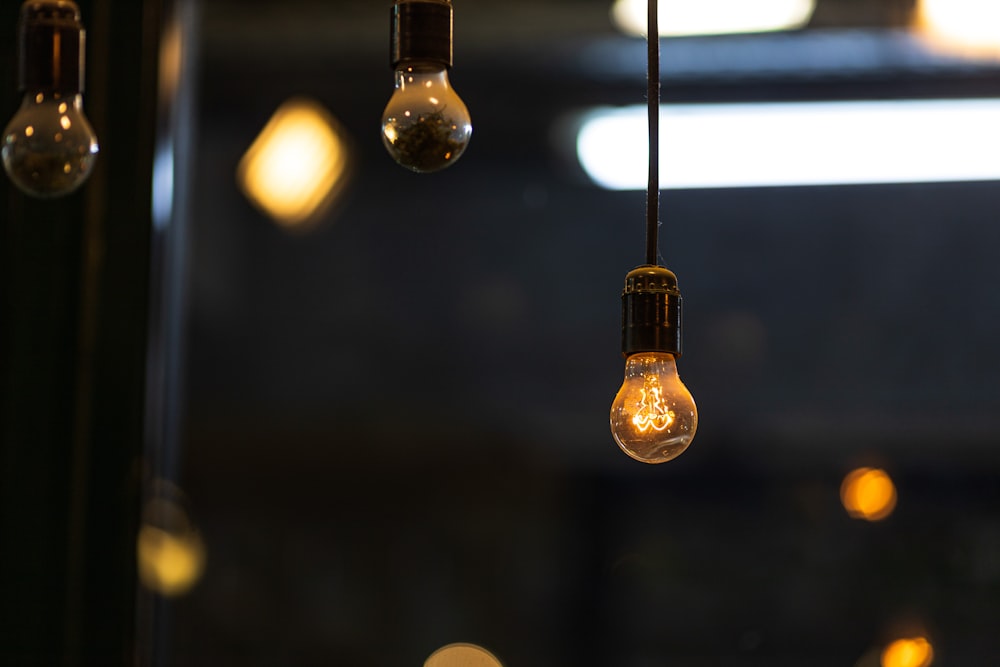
(74, 316)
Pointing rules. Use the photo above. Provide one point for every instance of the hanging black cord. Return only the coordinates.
(653, 100)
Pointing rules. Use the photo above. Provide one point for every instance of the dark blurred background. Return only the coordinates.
(391, 426)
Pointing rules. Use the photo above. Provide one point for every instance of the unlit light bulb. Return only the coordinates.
(426, 125)
(653, 416)
(49, 146)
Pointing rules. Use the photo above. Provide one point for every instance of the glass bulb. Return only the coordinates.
(653, 417)
(426, 125)
(49, 146)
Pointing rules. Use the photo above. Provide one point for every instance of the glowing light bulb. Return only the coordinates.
(49, 147)
(426, 125)
(653, 416)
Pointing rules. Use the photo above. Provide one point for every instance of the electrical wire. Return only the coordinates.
(653, 101)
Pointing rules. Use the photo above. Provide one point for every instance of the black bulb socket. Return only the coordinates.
(51, 41)
(421, 32)
(651, 311)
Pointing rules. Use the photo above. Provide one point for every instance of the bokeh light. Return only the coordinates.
(169, 549)
(909, 652)
(462, 655)
(297, 165)
(868, 493)
(967, 27)
(169, 564)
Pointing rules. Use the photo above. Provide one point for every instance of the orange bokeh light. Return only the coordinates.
(909, 652)
(868, 493)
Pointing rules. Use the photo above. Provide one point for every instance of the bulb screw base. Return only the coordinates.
(51, 47)
(421, 32)
(651, 311)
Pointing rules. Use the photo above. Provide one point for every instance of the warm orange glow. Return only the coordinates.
(969, 27)
(169, 563)
(653, 416)
(173, 52)
(297, 165)
(653, 411)
(169, 549)
(868, 493)
(462, 655)
(914, 652)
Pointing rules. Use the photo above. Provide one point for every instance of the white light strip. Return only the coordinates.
(753, 145)
(713, 17)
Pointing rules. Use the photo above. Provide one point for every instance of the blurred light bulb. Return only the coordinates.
(49, 147)
(426, 125)
(653, 417)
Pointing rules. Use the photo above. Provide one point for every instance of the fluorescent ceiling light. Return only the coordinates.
(964, 26)
(814, 143)
(713, 17)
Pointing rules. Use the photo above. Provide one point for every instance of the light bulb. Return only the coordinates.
(653, 417)
(426, 125)
(49, 147)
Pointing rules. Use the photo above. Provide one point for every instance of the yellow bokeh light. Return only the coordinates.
(297, 165)
(170, 563)
(868, 493)
(462, 655)
(713, 17)
(911, 652)
(970, 27)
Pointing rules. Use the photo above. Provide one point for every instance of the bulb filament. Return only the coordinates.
(652, 413)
